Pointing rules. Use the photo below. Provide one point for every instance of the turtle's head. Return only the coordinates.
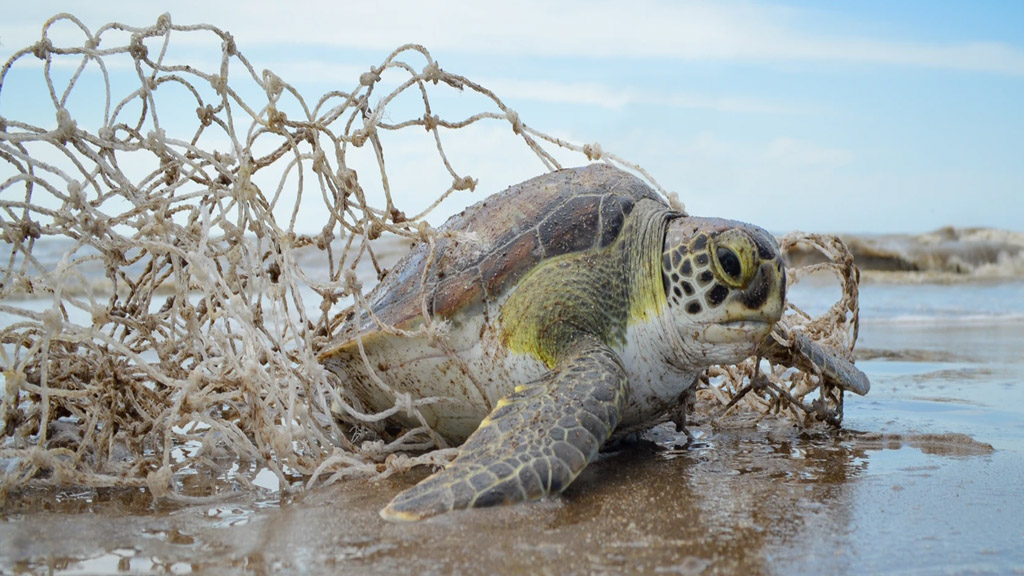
(725, 283)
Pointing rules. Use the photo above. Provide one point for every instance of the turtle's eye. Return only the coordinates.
(729, 262)
(733, 258)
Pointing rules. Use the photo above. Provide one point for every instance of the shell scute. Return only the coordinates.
(456, 292)
(573, 226)
(614, 210)
(505, 266)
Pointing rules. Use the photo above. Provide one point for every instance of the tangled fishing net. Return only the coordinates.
(162, 299)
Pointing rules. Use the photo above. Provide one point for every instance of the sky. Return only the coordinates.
(852, 117)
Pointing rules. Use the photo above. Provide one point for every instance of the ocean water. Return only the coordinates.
(924, 477)
(944, 354)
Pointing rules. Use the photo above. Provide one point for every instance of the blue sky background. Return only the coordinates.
(865, 116)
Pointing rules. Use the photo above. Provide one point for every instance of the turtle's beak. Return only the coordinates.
(752, 331)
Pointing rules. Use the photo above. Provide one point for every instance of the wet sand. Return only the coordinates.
(747, 501)
(924, 479)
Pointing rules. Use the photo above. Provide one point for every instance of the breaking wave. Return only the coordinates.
(945, 254)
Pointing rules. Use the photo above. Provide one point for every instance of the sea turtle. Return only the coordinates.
(578, 305)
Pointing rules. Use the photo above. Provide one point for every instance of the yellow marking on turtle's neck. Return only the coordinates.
(598, 292)
(648, 299)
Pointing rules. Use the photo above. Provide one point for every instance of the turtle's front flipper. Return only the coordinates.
(535, 442)
(808, 355)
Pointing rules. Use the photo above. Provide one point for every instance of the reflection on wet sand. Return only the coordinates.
(754, 499)
(724, 504)
(728, 502)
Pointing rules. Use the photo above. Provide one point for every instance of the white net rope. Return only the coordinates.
(162, 315)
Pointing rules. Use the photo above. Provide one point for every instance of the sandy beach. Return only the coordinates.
(922, 478)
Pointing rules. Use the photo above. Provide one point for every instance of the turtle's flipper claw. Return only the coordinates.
(394, 512)
(422, 501)
(534, 443)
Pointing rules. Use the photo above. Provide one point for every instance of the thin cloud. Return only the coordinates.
(737, 31)
(697, 30)
(794, 152)
(613, 97)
